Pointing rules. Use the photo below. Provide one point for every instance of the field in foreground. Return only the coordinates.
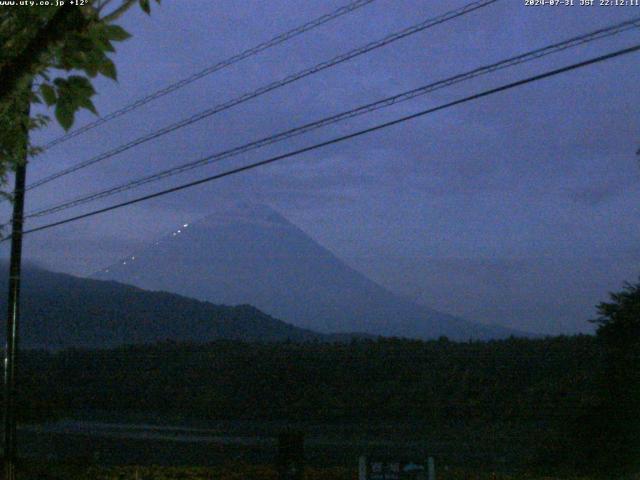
(517, 405)
(243, 471)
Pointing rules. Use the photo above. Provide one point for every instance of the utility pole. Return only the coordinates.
(11, 350)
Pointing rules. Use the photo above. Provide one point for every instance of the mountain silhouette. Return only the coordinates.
(61, 311)
(250, 254)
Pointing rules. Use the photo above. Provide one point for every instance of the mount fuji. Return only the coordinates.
(250, 254)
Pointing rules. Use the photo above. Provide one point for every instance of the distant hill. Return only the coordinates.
(60, 310)
(246, 253)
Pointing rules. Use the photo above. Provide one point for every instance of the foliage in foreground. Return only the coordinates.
(50, 55)
(388, 379)
(618, 417)
(254, 472)
(574, 401)
(518, 398)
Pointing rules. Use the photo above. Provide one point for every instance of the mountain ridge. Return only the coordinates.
(248, 253)
(59, 310)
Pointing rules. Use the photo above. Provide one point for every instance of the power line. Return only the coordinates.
(277, 40)
(519, 59)
(381, 126)
(270, 87)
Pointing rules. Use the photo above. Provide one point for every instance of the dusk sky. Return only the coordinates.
(521, 208)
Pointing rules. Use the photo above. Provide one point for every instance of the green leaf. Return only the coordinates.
(88, 104)
(98, 34)
(105, 45)
(48, 93)
(92, 70)
(108, 69)
(93, 62)
(38, 121)
(73, 92)
(144, 5)
(116, 33)
(65, 113)
(80, 86)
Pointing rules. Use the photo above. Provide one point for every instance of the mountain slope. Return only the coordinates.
(251, 254)
(60, 310)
